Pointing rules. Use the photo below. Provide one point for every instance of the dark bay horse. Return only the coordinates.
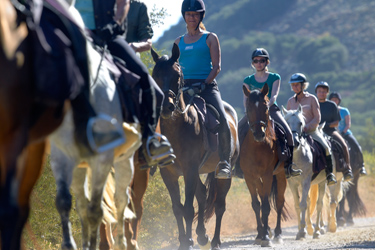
(264, 174)
(24, 126)
(186, 134)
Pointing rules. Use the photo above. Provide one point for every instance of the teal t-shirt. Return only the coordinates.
(86, 9)
(342, 124)
(253, 84)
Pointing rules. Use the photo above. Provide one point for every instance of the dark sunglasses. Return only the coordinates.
(259, 61)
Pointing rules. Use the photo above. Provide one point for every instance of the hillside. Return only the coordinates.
(327, 40)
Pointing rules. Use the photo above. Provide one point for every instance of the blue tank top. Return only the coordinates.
(86, 9)
(195, 58)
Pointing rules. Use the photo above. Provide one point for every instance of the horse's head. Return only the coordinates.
(296, 122)
(167, 74)
(257, 111)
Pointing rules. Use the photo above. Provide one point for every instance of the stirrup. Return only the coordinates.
(112, 144)
(156, 159)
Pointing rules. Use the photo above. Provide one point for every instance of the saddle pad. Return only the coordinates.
(319, 160)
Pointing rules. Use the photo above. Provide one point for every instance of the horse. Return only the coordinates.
(25, 125)
(87, 176)
(355, 204)
(181, 125)
(263, 172)
(303, 158)
(138, 188)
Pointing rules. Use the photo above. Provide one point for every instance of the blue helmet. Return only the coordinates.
(261, 53)
(298, 77)
(322, 84)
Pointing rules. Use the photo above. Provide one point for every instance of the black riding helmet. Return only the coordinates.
(193, 5)
(336, 95)
(322, 84)
(261, 53)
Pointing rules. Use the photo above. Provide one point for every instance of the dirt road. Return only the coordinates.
(359, 236)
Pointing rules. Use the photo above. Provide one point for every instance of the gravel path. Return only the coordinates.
(359, 236)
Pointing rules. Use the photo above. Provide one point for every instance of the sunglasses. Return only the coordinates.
(259, 61)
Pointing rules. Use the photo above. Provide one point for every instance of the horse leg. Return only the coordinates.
(191, 180)
(12, 157)
(319, 207)
(266, 209)
(62, 168)
(256, 207)
(304, 206)
(293, 186)
(332, 225)
(222, 191)
(280, 200)
(340, 213)
(123, 173)
(200, 194)
(100, 168)
(82, 201)
(171, 182)
(139, 186)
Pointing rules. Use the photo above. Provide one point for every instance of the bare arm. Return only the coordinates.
(213, 44)
(348, 124)
(141, 46)
(122, 9)
(275, 92)
(313, 124)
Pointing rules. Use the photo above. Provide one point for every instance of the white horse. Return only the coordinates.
(303, 158)
(88, 176)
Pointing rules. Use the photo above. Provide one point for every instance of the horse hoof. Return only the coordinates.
(341, 222)
(350, 223)
(278, 240)
(257, 241)
(301, 236)
(316, 235)
(207, 246)
(332, 229)
(266, 243)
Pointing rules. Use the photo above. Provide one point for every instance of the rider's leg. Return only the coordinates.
(354, 145)
(331, 179)
(212, 96)
(153, 149)
(348, 175)
(243, 128)
(275, 114)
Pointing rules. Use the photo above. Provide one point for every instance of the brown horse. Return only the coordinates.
(186, 134)
(24, 126)
(264, 174)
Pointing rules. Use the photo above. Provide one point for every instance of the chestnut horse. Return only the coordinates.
(264, 174)
(181, 125)
(24, 125)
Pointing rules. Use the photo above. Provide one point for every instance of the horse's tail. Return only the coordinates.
(211, 186)
(273, 197)
(313, 193)
(356, 205)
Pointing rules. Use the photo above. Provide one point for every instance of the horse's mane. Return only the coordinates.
(291, 113)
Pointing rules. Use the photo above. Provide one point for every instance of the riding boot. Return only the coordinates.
(94, 133)
(156, 149)
(243, 128)
(288, 165)
(331, 179)
(362, 171)
(223, 168)
(348, 174)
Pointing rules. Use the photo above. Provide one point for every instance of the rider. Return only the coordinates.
(331, 116)
(344, 129)
(105, 18)
(139, 31)
(311, 111)
(260, 60)
(200, 61)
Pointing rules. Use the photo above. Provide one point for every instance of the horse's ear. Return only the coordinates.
(265, 89)
(155, 55)
(246, 91)
(283, 110)
(175, 53)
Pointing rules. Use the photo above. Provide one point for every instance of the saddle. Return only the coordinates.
(209, 119)
(59, 52)
(318, 151)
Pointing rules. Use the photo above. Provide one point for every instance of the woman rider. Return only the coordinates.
(311, 112)
(260, 61)
(200, 61)
(344, 129)
(105, 18)
(331, 116)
